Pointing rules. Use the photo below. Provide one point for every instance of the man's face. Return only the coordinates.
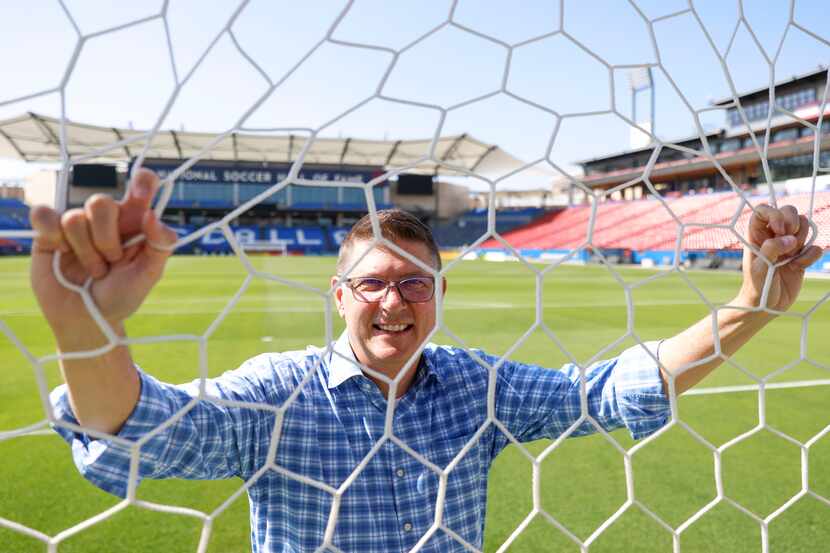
(384, 335)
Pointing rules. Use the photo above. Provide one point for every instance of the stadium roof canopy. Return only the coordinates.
(35, 138)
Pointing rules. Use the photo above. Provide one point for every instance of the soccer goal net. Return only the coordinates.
(611, 107)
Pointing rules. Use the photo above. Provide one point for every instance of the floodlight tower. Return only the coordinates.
(641, 80)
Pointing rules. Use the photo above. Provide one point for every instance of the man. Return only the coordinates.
(307, 491)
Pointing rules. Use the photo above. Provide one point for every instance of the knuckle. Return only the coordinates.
(100, 204)
(73, 220)
(41, 215)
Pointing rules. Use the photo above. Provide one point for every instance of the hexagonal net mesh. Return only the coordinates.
(744, 205)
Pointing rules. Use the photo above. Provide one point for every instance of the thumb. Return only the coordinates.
(136, 202)
(773, 249)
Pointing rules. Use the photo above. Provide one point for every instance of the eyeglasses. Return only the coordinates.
(374, 290)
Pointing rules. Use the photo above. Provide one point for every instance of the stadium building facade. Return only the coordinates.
(296, 219)
(790, 151)
(629, 226)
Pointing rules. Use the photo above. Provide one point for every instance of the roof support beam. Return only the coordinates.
(120, 137)
(14, 145)
(176, 143)
(480, 159)
(453, 147)
(290, 147)
(44, 128)
(392, 153)
(235, 150)
(345, 149)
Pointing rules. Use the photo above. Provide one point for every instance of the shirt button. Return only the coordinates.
(400, 473)
(407, 527)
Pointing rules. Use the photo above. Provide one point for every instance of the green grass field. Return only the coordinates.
(488, 306)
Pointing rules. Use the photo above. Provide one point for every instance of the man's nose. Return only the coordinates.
(392, 297)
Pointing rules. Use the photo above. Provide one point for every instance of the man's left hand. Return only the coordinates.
(779, 234)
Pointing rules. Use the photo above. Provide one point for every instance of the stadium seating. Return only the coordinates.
(647, 225)
(471, 225)
(14, 214)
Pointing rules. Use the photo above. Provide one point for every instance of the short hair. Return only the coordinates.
(395, 225)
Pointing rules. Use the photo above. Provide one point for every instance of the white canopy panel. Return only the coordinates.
(36, 138)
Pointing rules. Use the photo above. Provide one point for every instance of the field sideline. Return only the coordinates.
(488, 305)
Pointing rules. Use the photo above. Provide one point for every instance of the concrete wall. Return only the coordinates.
(40, 188)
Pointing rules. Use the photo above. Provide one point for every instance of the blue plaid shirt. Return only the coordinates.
(338, 417)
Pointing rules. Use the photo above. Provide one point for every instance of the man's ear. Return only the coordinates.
(444, 286)
(338, 295)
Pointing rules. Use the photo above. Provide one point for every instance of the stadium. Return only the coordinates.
(307, 220)
(604, 236)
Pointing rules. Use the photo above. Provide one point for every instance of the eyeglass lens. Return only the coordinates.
(416, 289)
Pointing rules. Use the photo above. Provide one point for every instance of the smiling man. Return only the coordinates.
(302, 494)
(388, 304)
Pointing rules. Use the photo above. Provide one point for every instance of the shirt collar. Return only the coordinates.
(344, 365)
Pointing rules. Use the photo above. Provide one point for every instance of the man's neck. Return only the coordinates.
(391, 373)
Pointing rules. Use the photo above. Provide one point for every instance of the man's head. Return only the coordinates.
(396, 225)
(385, 328)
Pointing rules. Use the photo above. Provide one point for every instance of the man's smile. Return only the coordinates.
(391, 328)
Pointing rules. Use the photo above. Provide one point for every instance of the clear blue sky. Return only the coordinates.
(126, 78)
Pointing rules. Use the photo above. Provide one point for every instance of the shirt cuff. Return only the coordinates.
(102, 461)
(644, 407)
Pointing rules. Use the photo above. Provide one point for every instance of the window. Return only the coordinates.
(753, 112)
(730, 145)
(793, 167)
(785, 134)
(747, 142)
(248, 191)
(316, 195)
(208, 193)
(354, 196)
(793, 100)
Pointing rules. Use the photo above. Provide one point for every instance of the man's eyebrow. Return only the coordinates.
(403, 277)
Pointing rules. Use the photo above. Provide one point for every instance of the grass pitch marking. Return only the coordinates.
(755, 387)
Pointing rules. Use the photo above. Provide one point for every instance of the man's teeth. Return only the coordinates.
(392, 328)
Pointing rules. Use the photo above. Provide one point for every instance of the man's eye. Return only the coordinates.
(416, 284)
(370, 285)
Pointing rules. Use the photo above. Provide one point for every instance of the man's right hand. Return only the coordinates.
(90, 241)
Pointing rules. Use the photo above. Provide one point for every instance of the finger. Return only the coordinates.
(47, 225)
(160, 240)
(810, 256)
(762, 221)
(136, 202)
(102, 214)
(790, 219)
(773, 248)
(776, 220)
(76, 230)
(803, 230)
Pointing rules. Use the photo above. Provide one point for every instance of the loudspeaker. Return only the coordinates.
(415, 185)
(92, 175)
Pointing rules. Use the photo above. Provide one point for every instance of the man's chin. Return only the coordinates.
(391, 358)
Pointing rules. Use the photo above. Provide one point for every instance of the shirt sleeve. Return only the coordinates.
(207, 440)
(627, 391)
